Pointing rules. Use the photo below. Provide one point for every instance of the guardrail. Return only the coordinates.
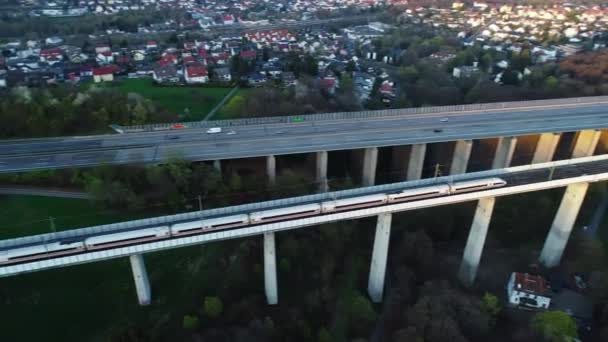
(361, 114)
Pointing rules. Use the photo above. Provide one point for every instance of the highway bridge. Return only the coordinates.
(574, 174)
(320, 133)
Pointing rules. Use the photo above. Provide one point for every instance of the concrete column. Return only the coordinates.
(416, 162)
(377, 269)
(562, 224)
(140, 275)
(586, 142)
(460, 160)
(270, 270)
(545, 148)
(217, 165)
(322, 171)
(504, 152)
(271, 169)
(476, 240)
(370, 161)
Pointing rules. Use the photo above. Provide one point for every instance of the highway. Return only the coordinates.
(256, 140)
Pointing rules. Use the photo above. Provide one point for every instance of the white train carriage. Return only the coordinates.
(199, 226)
(354, 203)
(285, 213)
(476, 185)
(127, 237)
(419, 193)
(39, 251)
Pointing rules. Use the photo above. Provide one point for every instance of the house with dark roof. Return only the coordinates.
(165, 74)
(222, 74)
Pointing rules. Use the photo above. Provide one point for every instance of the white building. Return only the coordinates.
(527, 290)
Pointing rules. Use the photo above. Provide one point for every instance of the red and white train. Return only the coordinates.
(130, 237)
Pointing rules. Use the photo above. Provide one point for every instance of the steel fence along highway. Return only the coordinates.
(367, 114)
(519, 180)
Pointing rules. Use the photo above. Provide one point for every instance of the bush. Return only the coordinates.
(213, 307)
(190, 322)
(554, 326)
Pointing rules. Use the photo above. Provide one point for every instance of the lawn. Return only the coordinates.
(27, 215)
(193, 102)
(90, 302)
(224, 114)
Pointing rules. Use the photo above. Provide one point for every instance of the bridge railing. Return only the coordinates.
(247, 208)
(369, 114)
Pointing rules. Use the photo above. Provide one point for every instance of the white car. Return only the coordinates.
(231, 133)
(214, 130)
(443, 120)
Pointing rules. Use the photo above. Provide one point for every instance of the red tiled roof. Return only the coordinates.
(248, 54)
(196, 71)
(529, 283)
(105, 70)
(50, 52)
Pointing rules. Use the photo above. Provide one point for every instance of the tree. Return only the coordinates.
(361, 310)
(491, 305)
(554, 326)
(190, 322)
(235, 106)
(551, 83)
(408, 73)
(213, 307)
(324, 336)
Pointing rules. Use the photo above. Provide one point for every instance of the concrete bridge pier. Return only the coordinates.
(270, 270)
(545, 148)
(321, 175)
(460, 160)
(217, 165)
(563, 222)
(504, 152)
(416, 162)
(476, 240)
(271, 169)
(377, 270)
(586, 142)
(370, 162)
(140, 275)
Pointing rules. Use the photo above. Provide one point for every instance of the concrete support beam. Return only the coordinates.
(321, 167)
(377, 270)
(271, 169)
(504, 152)
(370, 161)
(217, 165)
(545, 148)
(476, 240)
(140, 275)
(562, 224)
(586, 142)
(416, 162)
(460, 160)
(270, 270)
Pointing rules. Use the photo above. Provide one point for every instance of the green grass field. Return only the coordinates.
(224, 114)
(197, 100)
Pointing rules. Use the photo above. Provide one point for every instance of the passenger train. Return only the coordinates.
(130, 237)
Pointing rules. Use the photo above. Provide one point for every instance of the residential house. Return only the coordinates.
(228, 19)
(256, 80)
(166, 73)
(105, 57)
(528, 290)
(222, 74)
(151, 45)
(104, 73)
(51, 55)
(102, 48)
(2, 78)
(465, 71)
(138, 55)
(196, 74)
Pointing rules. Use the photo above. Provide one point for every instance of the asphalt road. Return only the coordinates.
(290, 138)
